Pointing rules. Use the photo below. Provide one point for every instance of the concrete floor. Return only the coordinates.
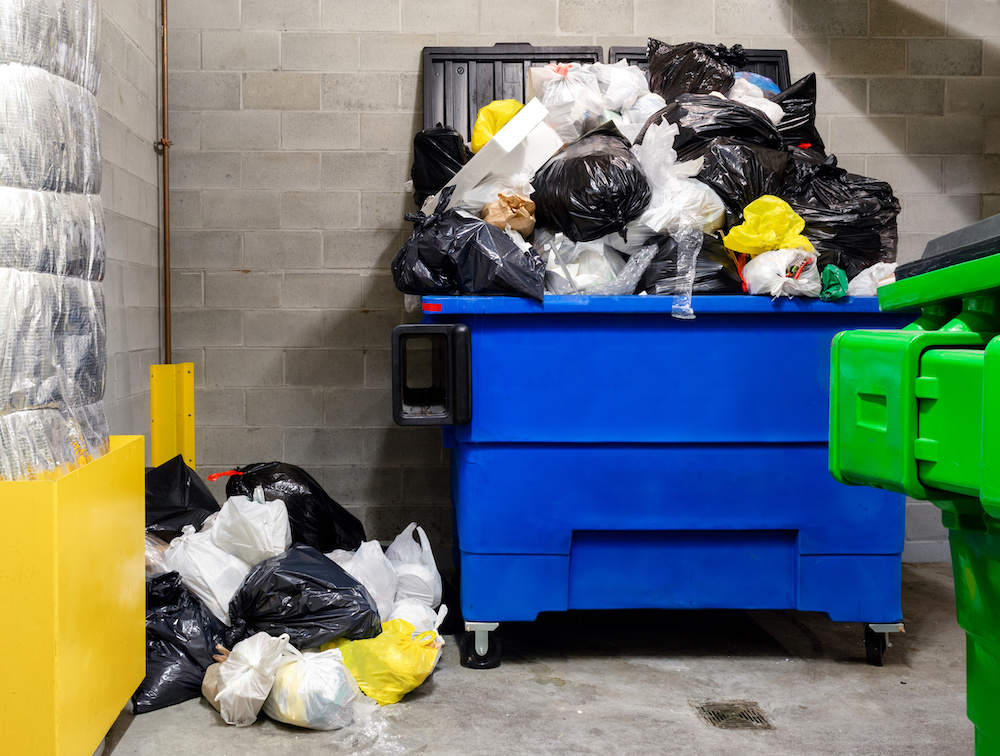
(624, 683)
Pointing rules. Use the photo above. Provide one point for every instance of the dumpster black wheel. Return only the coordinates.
(875, 646)
(472, 660)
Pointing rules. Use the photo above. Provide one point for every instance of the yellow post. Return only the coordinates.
(73, 580)
(171, 410)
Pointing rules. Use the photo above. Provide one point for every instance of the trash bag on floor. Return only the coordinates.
(306, 595)
(741, 172)
(212, 574)
(438, 154)
(374, 571)
(316, 691)
(850, 219)
(453, 252)
(702, 118)
(798, 126)
(715, 270)
(691, 67)
(783, 273)
(418, 614)
(181, 635)
(175, 497)
(414, 564)
(592, 187)
(315, 518)
(252, 529)
(244, 680)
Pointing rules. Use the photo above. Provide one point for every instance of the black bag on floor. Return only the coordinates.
(741, 172)
(692, 68)
(715, 271)
(451, 252)
(702, 118)
(181, 634)
(850, 219)
(798, 126)
(315, 518)
(438, 154)
(175, 497)
(303, 593)
(591, 187)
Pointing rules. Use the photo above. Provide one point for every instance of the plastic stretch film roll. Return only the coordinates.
(49, 232)
(59, 36)
(48, 132)
(39, 443)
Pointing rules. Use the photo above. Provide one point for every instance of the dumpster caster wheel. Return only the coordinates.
(875, 646)
(470, 656)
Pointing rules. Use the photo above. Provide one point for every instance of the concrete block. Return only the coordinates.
(141, 73)
(360, 91)
(323, 446)
(324, 367)
(112, 139)
(427, 485)
(142, 160)
(938, 213)
(141, 286)
(112, 45)
(863, 57)
(411, 92)
(284, 407)
(389, 131)
(973, 18)
(190, 169)
(340, 291)
(206, 250)
(219, 406)
(244, 367)
(866, 134)
(911, 246)
(915, 552)
(909, 174)
(283, 250)
(378, 368)
(319, 131)
(991, 135)
(285, 328)
(944, 135)
(185, 50)
(185, 209)
(748, 17)
(287, 14)
(659, 18)
(380, 292)
(842, 95)
(915, 18)
(347, 15)
(834, 18)
(127, 189)
(207, 327)
(204, 90)
(196, 357)
(978, 96)
(359, 329)
(187, 288)
(582, 16)
(240, 50)
(804, 55)
(899, 96)
(971, 174)
(944, 57)
(234, 445)
(142, 328)
(241, 130)
(107, 193)
(385, 209)
(281, 170)
(398, 446)
(387, 522)
(319, 51)
(440, 16)
(281, 91)
(401, 52)
(991, 57)
(320, 210)
(366, 171)
(115, 234)
(242, 289)
(358, 407)
(519, 17)
(991, 205)
(362, 249)
(356, 485)
(923, 522)
(239, 209)
(197, 14)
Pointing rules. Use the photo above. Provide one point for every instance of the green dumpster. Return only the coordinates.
(917, 411)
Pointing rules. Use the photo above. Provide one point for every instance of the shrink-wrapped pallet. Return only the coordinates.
(59, 36)
(38, 443)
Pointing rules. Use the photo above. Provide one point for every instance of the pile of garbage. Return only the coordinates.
(697, 177)
(277, 602)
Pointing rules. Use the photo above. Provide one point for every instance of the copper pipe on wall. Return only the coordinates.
(164, 146)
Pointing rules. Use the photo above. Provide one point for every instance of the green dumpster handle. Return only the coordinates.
(974, 278)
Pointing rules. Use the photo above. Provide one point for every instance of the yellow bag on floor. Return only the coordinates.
(390, 665)
(491, 119)
(768, 223)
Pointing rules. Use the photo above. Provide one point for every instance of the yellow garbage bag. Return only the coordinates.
(491, 119)
(768, 223)
(391, 664)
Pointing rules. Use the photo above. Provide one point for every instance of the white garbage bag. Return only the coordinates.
(867, 282)
(620, 83)
(210, 573)
(246, 677)
(418, 614)
(414, 564)
(572, 95)
(370, 567)
(252, 529)
(783, 273)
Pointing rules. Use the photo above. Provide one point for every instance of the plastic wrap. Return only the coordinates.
(40, 443)
(691, 67)
(49, 232)
(60, 36)
(48, 132)
(715, 270)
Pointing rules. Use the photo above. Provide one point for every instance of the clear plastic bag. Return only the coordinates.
(783, 273)
(572, 95)
(620, 83)
(414, 564)
(210, 573)
(370, 567)
(252, 529)
(246, 677)
(156, 564)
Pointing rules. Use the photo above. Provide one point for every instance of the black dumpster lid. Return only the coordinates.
(770, 63)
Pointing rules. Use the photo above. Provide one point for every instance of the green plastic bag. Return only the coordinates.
(834, 282)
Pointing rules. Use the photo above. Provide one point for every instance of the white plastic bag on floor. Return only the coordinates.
(370, 567)
(783, 273)
(246, 677)
(418, 614)
(316, 690)
(867, 282)
(414, 564)
(252, 529)
(210, 573)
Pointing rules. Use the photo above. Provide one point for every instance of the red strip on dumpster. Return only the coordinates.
(431, 307)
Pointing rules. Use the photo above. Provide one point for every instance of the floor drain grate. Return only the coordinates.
(733, 715)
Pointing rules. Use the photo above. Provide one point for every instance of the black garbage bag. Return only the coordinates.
(451, 252)
(175, 497)
(850, 219)
(181, 634)
(741, 172)
(702, 118)
(303, 593)
(315, 518)
(715, 270)
(692, 68)
(438, 154)
(591, 187)
(798, 126)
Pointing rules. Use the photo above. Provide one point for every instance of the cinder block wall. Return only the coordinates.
(130, 195)
(292, 123)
